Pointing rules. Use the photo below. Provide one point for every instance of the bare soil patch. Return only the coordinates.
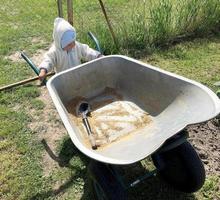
(15, 57)
(37, 57)
(205, 137)
(47, 124)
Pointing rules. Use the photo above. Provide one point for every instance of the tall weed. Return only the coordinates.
(143, 25)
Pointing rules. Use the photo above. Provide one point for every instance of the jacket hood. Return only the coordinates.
(60, 27)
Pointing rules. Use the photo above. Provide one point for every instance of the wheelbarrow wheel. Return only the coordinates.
(106, 186)
(181, 167)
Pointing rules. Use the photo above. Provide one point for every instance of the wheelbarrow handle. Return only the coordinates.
(33, 66)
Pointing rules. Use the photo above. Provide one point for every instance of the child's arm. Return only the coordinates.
(48, 63)
(89, 53)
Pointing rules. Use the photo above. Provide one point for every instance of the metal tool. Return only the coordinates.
(84, 110)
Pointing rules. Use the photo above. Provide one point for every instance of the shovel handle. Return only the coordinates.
(90, 134)
(92, 142)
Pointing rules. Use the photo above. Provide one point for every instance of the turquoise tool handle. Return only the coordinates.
(33, 66)
(98, 48)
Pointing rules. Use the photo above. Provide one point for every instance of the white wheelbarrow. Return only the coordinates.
(135, 109)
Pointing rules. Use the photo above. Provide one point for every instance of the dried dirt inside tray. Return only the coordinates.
(111, 119)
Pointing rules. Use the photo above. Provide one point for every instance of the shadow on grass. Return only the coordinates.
(67, 152)
(152, 188)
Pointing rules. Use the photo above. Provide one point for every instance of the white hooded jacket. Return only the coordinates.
(58, 59)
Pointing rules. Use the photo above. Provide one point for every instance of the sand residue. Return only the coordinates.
(111, 119)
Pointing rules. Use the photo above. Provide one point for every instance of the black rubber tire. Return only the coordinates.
(181, 167)
(105, 183)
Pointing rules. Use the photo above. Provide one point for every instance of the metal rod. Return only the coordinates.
(142, 178)
(88, 128)
(86, 123)
(84, 110)
(108, 22)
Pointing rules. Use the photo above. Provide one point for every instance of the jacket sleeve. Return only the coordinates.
(49, 61)
(88, 53)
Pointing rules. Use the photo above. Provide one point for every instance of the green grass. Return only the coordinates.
(21, 170)
(21, 173)
(210, 190)
(37, 104)
(144, 25)
(198, 60)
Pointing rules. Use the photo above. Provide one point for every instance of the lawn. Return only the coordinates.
(38, 159)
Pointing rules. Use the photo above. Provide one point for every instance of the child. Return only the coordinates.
(65, 52)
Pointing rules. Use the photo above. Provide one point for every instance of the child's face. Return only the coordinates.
(69, 46)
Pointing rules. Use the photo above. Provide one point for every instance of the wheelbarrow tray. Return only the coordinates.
(170, 101)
